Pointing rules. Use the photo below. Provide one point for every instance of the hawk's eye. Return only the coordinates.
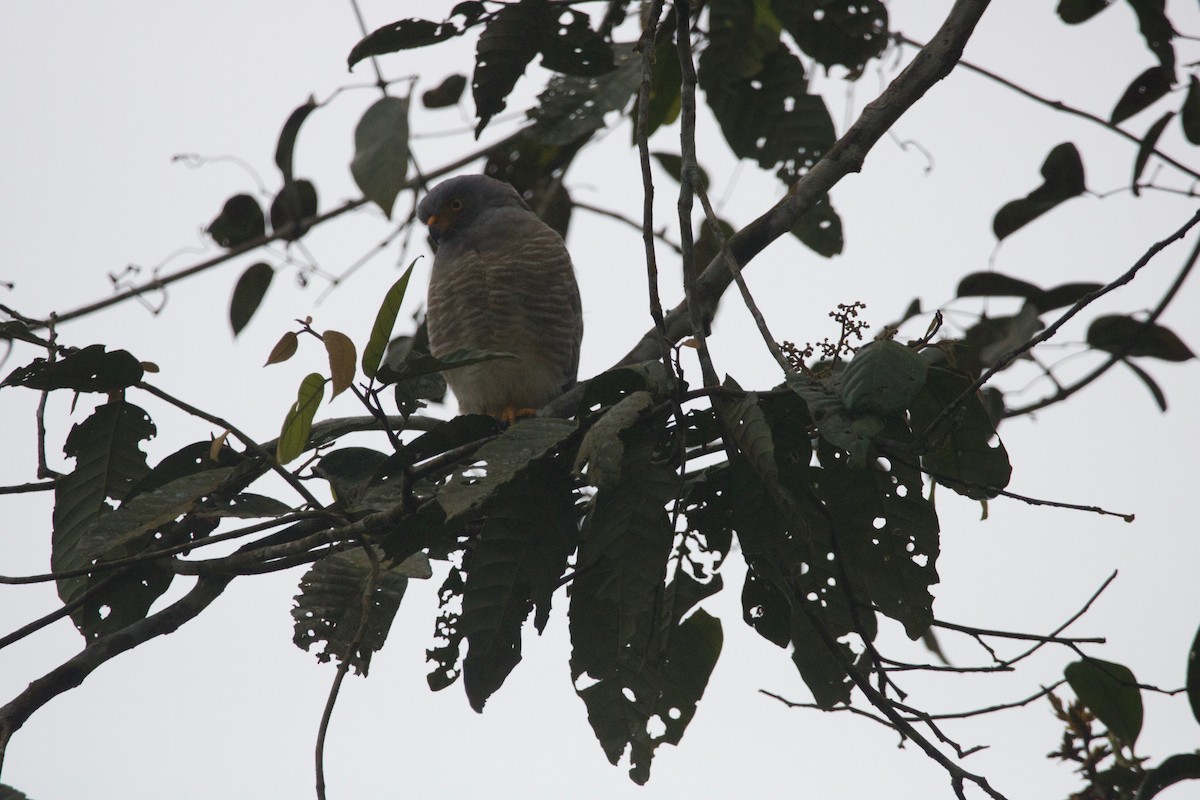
(456, 204)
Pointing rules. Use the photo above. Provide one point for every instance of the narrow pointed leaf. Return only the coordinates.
(342, 360)
(1146, 148)
(284, 349)
(1189, 115)
(993, 284)
(402, 35)
(1146, 89)
(385, 320)
(297, 425)
(1159, 397)
(286, 148)
(248, 294)
(380, 162)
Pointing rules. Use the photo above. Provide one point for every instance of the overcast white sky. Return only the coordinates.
(98, 100)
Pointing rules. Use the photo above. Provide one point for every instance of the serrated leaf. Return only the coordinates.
(1062, 174)
(385, 320)
(295, 203)
(837, 33)
(241, 220)
(963, 459)
(248, 294)
(528, 530)
(380, 162)
(285, 149)
(91, 369)
(505, 48)
(1174, 769)
(1110, 692)
(1146, 148)
(1074, 12)
(1146, 89)
(293, 437)
(1189, 115)
(1125, 336)
(882, 379)
(284, 349)
(446, 93)
(329, 608)
(820, 229)
(342, 360)
(1159, 397)
(402, 35)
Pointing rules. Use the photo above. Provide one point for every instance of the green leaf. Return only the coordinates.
(295, 203)
(673, 164)
(1062, 174)
(342, 357)
(528, 530)
(241, 220)
(1174, 769)
(602, 448)
(1193, 677)
(402, 35)
(446, 93)
(963, 458)
(505, 48)
(329, 608)
(504, 458)
(1189, 115)
(666, 81)
(1074, 12)
(1146, 148)
(380, 162)
(1128, 337)
(285, 150)
(1110, 692)
(850, 432)
(293, 437)
(835, 32)
(882, 379)
(385, 320)
(820, 229)
(109, 462)
(1146, 89)
(248, 294)
(88, 370)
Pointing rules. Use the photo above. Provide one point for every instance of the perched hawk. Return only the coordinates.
(502, 280)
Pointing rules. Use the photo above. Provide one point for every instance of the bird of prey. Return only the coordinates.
(502, 280)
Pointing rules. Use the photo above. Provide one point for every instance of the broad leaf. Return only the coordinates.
(1111, 693)
(1126, 336)
(836, 32)
(1062, 174)
(295, 203)
(993, 284)
(820, 229)
(293, 438)
(446, 93)
(882, 379)
(286, 148)
(572, 47)
(91, 369)
(505, 48)
(1174, 769)
(342, 359)
(241, 220)
(602, 448)
(1156, 29)
(380, 162)
(1146, 89)
(1074, 12)
(248, 294)
(402, 35)
(385, 320)
(329, 608)
(284, 349)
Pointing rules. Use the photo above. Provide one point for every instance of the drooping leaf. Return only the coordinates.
(1189, 115)
(820, 229)
(241, 220)
(1126, 336)
(528, 530)
(505, 48)
(329, 608)
(1174, 769)
(882, 379)
(835, 32)
(293, 437)
(1146, 89)
(295, 203)
(402, 35)
(91, 369)
(446, 93)
(1074, 12)
(108, 463)
(284, 349)
(1159, 397)
(385, 320)
(248, 294)
(285, 150)
(342, 359)
(1111, 693)
(965, 461)
(1062, 174)
(504, 458)
(380, 162)
(1146, 148)
(447, 630)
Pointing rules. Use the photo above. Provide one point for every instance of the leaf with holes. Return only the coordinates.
(330, 608)
(241, 220)
(505, 48)
(405, 34)
(1062, 179)
(1111, 693)
(836, 33)
(573, 48)
(248, 294)
(380, 162)
(572, 107)
(820, 229)
(91, 369)
(293, 438)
